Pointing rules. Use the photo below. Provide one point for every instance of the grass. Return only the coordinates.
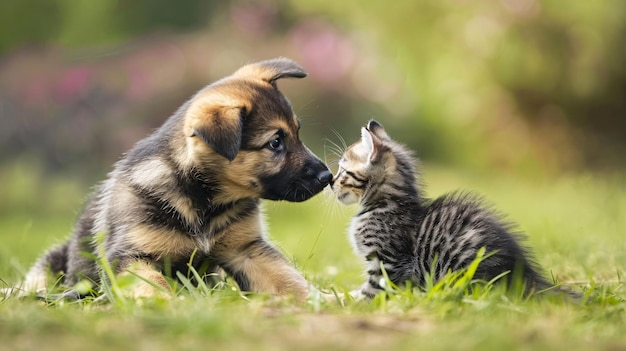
(576, 226)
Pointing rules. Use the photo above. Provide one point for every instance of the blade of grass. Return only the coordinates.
(109, 283)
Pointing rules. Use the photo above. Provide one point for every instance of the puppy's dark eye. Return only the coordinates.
(276, 144)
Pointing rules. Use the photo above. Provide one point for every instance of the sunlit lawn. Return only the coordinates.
(576, 225)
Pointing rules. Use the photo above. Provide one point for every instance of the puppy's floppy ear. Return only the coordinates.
(377, 129)
(271, 70)
(218, 122)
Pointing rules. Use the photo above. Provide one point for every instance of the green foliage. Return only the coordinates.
(522, 85)
(97, 22)
(524, 77)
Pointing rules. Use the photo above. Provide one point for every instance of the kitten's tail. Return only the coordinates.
(537, 284)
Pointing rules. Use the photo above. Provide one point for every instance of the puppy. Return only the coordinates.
(190, 192)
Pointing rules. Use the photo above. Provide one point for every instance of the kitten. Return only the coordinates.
(413, 236)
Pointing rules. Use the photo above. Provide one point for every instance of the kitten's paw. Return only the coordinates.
(358, 295)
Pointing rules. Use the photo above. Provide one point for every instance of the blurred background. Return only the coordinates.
(513, 84)
(527, 88)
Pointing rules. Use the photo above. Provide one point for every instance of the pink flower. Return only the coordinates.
(73, 83)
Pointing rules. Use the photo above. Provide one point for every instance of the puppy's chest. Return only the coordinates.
(194, 219)
(164, 232)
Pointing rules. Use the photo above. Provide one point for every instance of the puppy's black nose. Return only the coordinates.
(324, 177)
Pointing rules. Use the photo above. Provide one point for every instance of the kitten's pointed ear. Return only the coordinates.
(377, 129)
(371, 145)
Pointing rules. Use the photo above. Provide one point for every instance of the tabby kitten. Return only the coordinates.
(413, 236)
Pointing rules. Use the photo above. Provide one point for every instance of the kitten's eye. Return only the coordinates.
(276, 144)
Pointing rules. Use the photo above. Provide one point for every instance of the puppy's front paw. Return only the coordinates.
(316, 296)
(341, 298)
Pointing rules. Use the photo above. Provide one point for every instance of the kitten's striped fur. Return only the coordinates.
(398, 227)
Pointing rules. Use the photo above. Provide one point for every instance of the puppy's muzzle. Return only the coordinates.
(298, 184)
(324, 177)
(316, 177)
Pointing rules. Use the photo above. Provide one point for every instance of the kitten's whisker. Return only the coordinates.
(332, 208)
(335, 154)
(333, 147)
(336, 147)
(341, 139)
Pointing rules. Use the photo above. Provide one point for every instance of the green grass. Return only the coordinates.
(575, 224)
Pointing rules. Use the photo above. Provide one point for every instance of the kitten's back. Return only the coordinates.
(459, 224)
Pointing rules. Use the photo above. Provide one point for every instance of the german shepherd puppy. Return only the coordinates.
(193, 187)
